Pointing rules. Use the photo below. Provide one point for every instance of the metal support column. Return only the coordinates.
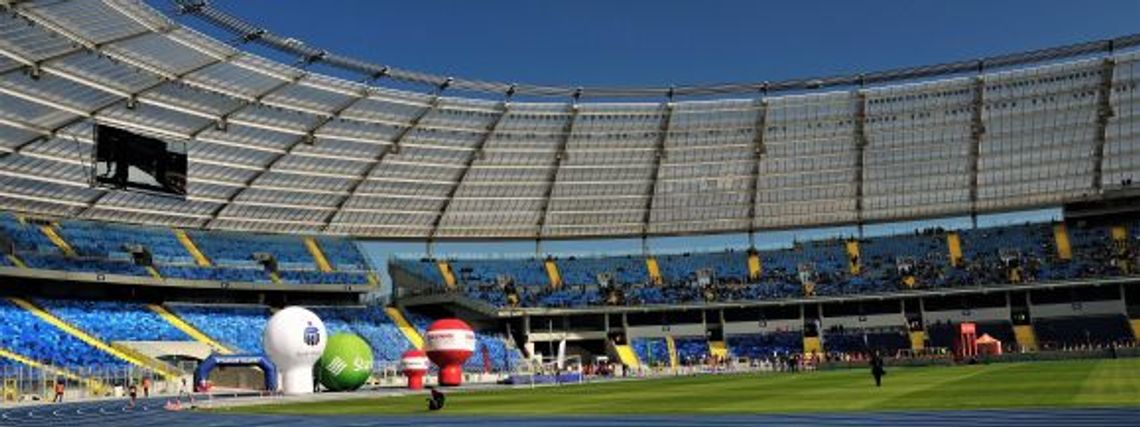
(977, 130)
(504, 109)
(559, 157)
(659, 154)
(758, 152)
(1103, 113)
(860, 155)
(379, 158)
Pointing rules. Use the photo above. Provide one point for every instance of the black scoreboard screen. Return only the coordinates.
(129, 161)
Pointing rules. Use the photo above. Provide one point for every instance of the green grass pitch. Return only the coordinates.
(1092, 383)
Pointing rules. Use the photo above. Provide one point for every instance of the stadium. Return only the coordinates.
(191, 206)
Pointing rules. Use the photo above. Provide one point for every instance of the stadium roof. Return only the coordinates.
(274, 147)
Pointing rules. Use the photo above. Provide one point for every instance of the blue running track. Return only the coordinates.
(151, 413)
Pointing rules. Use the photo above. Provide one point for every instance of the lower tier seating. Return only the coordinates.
(1085, 331)
(691, 350)
(387, 342)
(238, 327)
(884, 340)
(759, 346)
(114, 321)
(28, 335)
(651, 351)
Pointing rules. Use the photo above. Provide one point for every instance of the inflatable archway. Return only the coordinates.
(258, 360)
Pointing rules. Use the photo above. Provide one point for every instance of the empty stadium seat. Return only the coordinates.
(238, 327)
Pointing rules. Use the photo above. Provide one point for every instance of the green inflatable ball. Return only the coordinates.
(346, 363)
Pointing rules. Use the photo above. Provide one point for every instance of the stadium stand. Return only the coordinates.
(30, 336)
(692, 350)
(863, 340)
(651, 351)
(387, 343)
(451, 167)
(129, 250)
(238, 327)
(896, 263)
(1084, 331)
(760, 346)
(114, 321)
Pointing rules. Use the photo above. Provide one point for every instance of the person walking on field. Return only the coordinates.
(877, 369)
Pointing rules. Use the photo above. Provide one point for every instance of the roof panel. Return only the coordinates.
(268, 136)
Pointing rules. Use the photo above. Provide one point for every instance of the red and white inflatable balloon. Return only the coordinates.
(414, 363)
(449, 343)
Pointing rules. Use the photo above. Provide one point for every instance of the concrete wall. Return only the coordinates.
(970, 315)
(1085, 308)
(867, 321)
(657, 331)
(754, 327)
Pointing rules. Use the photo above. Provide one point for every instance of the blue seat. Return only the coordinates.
(115, 321)
(238, 327)
(28, 335)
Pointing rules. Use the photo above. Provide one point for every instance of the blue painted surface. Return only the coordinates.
(150, 412)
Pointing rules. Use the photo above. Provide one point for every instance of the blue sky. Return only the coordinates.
(661, 42)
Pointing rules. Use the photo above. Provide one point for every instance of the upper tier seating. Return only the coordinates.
(926, 251)
(625, 270)
(1094, 244)
(237, 249)
(115, 321)
(722, 265)
(111, 240)
(238, 327)
(104, 248)
(28, 335)
(220, 274)
(83, 265)
(524, 272)
(343, 254)
(991, 256)
(424, 268)
(321, 278)
(25, 237)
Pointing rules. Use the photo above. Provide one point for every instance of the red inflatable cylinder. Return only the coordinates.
(449, 342)
(414, 363)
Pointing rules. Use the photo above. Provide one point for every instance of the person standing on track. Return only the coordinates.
(146, 387)
(133, 390)
(58, 391)
(877, 369)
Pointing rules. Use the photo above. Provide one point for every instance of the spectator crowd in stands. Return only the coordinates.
(922, 260)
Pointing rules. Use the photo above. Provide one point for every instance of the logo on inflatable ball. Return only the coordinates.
(346, 363)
